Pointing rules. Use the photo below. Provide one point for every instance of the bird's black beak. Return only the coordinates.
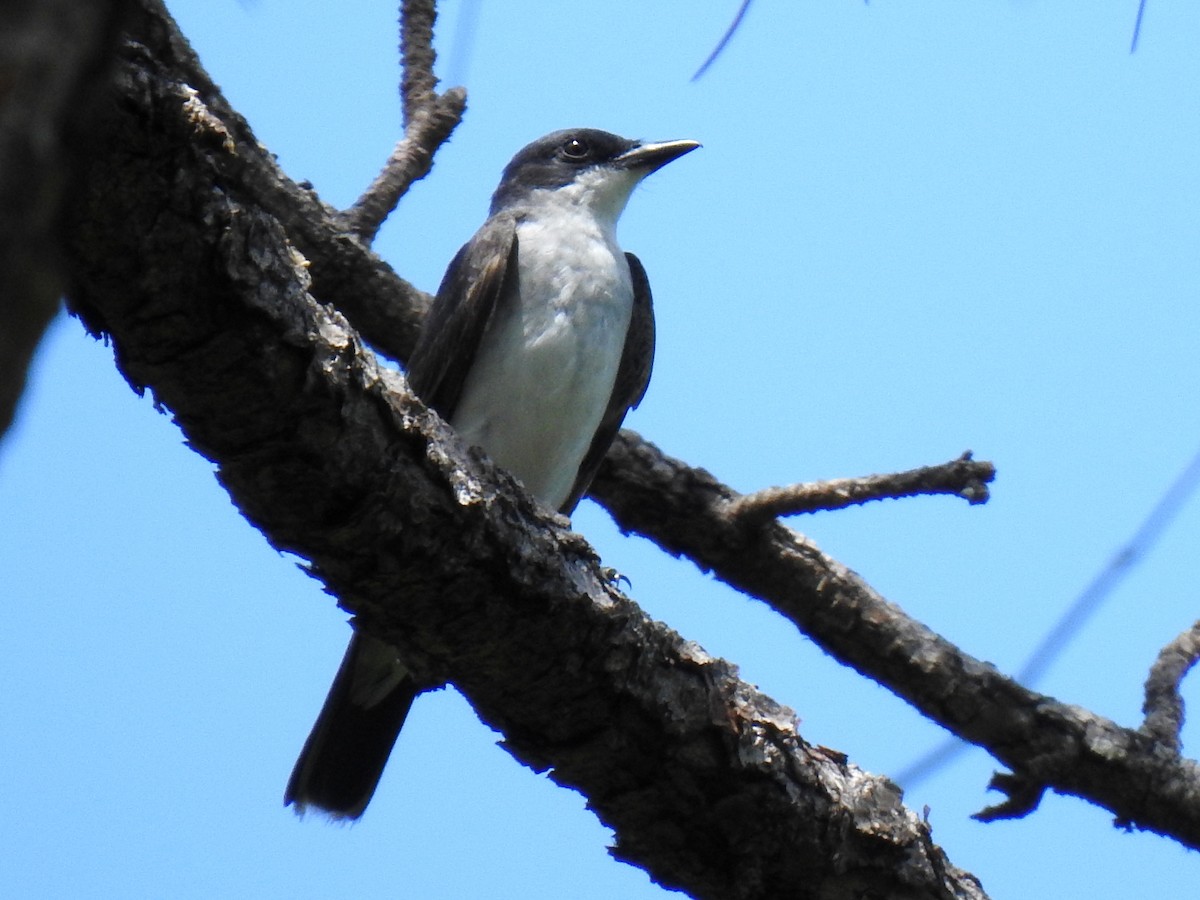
(647, 158)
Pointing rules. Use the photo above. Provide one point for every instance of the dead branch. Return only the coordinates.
(410, 161)
(429, 118)
(418, 84)
(1163, 706)
(962, 477)
(1069, 749)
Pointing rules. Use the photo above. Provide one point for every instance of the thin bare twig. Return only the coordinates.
(418, 84)
(963, 477)
(1164, 705)
(429, 118)
(410, 161)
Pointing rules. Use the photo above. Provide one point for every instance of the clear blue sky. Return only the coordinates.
(913, 229)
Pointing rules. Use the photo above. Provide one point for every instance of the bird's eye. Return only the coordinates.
(576, 149)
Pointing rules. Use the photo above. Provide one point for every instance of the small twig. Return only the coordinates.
(963, 477)
(1024, 795)
(418, 84)
(1163, 706)
(410, 161)
(429, 118)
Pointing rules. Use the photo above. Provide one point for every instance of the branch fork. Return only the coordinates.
(429, 119)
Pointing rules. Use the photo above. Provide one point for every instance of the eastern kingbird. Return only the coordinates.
(540, 340)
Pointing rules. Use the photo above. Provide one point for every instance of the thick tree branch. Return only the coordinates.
(1069, 749)
(386, 310)
(201, 262)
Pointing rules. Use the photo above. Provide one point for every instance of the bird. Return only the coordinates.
(539, 341)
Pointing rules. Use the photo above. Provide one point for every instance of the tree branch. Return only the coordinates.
(962, 477)
(684, 511)
(1164, 705)
(215, 278)
(418, 86)
(411, 160)
(429, 119)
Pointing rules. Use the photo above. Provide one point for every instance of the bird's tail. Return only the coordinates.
(349, 745)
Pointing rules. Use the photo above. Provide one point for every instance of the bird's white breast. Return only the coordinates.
(545, 370)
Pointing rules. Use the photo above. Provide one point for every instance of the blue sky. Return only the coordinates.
(913, 229)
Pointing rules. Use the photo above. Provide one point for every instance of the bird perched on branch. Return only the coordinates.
(540, 340)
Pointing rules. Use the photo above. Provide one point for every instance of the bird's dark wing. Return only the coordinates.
(633, 376)
(482, 272)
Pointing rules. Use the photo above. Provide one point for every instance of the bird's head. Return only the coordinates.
(584, 167)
